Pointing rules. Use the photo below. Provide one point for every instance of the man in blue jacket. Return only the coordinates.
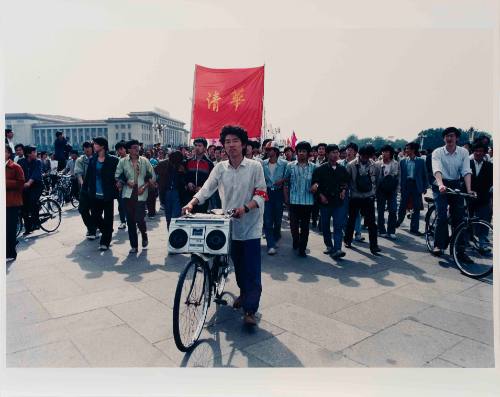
(414, 183)
(274, 173)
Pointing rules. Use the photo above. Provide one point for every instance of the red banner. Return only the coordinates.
(227, 96)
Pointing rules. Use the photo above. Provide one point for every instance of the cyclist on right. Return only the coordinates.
(450, 163)
(482, 183)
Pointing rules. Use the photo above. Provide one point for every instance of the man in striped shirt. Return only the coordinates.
(299, 196)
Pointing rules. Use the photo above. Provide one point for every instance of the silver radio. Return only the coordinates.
(200, 233)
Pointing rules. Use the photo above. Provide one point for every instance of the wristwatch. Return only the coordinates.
(246, 208)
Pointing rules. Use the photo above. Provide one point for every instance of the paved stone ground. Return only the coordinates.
(69, 305)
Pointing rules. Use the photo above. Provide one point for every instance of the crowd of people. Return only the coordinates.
(347, 187)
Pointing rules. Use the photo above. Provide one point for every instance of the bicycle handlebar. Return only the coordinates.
(458, 192)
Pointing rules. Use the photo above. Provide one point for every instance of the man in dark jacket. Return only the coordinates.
(32, 168)
(330, 182)
(100, 187)
(482, 184)
(414, 182)
(198, 169)
(61, 150)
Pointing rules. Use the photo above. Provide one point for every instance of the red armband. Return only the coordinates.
(261, 193)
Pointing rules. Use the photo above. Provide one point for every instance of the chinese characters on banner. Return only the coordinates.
(227, 96)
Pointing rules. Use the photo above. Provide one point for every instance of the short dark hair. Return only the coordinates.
(201, 140)
(413, 146)
(73, 151)
(43, 153)
(342, 149)
(331, 147)
(28, 149)
(86, 144)
(9, 149)
(8, 131)
(102, 142)
(451, 130)
(218, 148)
(58, 133)
(303, 145)
(480, 145)
(314, 148)
(121, 144)
(132, 142)
(19, 145)
(353, 146)
(367, 150)
(233, 130)
(288, 148)
(209, 146)
(322, 144)
(265, 142)
(387, 148)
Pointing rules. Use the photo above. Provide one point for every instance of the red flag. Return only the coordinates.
(294, 140)
(227, 96)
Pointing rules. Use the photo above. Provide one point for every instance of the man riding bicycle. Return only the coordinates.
(450, 163)
(242, 187)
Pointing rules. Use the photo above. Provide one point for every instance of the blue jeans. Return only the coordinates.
(273, 214)
(339, 219)
(247, 267)
(172, 205)
(457, 212)
(392, 206)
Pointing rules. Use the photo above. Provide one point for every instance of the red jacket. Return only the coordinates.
(14, 181)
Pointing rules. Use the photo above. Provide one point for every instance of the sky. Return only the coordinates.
(332, 68)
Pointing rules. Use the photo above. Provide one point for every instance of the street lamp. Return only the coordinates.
(159, 128)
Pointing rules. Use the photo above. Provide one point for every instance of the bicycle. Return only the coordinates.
(471, 242)
(203, 278)
(49, 215)
(62, 192)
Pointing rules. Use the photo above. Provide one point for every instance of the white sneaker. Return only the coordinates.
(103, 247)
(271, 251)
(359, 237)
(91, 236)
(122, 226)
(391, 236)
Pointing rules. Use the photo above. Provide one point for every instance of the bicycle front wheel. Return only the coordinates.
(430, 227)
(49, 215)
(192, 297)
(473, 248)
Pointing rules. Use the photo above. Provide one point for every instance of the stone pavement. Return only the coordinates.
(69, 305)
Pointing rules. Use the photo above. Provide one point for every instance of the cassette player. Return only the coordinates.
(200, 233)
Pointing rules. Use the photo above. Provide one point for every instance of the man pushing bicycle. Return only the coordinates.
(242, 187)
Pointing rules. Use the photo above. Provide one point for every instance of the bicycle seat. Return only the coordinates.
(429, 199)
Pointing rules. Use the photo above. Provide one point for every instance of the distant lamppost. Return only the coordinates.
(159, 128)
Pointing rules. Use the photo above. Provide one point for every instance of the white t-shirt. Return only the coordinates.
(272, 168)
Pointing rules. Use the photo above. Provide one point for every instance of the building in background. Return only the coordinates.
(148, 127)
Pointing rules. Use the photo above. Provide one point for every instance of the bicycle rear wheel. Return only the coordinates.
(430, 227)
(473, 248)
(74, 201)
(49, 215)
(192, 297)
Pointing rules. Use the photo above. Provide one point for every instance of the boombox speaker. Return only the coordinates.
(200, 233)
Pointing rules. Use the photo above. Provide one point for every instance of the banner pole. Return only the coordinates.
(192, 107)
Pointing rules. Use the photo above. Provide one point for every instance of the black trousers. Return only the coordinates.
(84, 207)
(12, 217)
(31, 207)
(136, 211)
(299, 225)
(61, 164)
(105, 224)
(367, 208)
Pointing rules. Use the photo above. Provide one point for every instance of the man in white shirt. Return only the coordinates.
(450, 163)
(242, 187)
(9, 140)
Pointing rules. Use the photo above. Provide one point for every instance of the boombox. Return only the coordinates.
(200, 233)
